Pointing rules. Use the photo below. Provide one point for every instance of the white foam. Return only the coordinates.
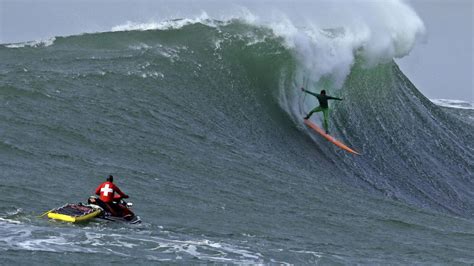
(316, 254)
(140, 46)
(20, 236)
(454, 103)
(165, 25)
(34, 44)
(101, 240)
(9, 221)
(204, 250)
(326, 44)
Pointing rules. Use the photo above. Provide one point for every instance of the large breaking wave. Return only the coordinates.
(412, 150)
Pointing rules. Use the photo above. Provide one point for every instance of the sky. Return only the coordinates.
(440, 66)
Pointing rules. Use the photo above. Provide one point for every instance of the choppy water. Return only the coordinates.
(202, 127)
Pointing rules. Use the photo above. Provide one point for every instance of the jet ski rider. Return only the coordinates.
(107, 191)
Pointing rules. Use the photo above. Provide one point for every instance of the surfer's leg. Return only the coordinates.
(326, 119)
(317, 109)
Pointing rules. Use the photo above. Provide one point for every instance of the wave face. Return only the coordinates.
(202, 125)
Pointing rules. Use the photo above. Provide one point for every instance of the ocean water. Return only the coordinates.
(201, 123)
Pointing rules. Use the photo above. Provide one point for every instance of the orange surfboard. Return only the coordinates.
(328, 137)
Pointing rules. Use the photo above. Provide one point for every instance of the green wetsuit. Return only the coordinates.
(323, 107)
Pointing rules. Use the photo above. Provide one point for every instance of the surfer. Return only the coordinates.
(323, 106)
(107, 191)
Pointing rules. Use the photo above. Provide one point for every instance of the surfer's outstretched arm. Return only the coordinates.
(309, 92)
(333, 98)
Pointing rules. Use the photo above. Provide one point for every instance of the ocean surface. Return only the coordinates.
(201, 124)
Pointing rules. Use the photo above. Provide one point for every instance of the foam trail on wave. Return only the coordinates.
(33, 44)
(165, 25)
(458, 104)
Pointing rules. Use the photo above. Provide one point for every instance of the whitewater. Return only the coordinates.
(200, 120)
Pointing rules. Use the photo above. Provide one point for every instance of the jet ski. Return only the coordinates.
(95, 208)
(122, 214)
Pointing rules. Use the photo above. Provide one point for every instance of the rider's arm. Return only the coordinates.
(334, 98)
(312, 93)
(123, 195)
(97, 190)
